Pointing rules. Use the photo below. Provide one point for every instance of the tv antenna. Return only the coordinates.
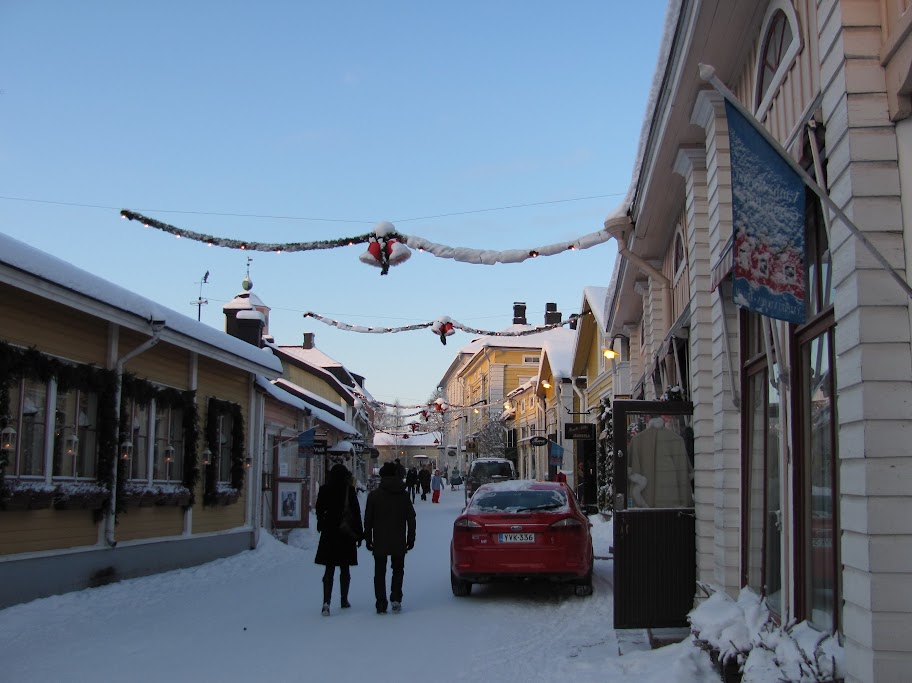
(200, 302)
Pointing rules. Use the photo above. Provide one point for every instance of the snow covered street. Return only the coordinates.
(256, 616)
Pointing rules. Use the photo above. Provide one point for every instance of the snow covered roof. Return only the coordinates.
(84, 291)
(326, 374)
(559, 350)
(277, 391)
(313, 356)
(596, 296)
(529, 341)
(244, 300)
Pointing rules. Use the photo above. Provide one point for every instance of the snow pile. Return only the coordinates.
(742, 633)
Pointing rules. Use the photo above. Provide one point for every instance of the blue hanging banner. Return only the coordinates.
(306, 438)
(556, 454)
(768, 217)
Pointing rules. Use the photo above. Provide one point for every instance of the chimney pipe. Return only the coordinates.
(552, 315)
(308, 340)
(519, 313)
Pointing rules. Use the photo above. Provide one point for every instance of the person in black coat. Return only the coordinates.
(424, 479)
(411, 482)
(336, 548)
(389, 532)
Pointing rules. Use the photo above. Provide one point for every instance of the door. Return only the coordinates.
(654, 522)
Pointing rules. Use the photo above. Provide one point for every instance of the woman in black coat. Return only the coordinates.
(336, 548)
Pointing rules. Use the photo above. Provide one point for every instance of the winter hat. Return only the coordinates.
(388, 470)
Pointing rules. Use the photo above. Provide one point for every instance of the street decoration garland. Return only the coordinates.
(213, 493)
(443, 327)
(386, 246)
(604, 466)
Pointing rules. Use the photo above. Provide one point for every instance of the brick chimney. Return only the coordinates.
(519, 313)
(308, 340)
(552, 315)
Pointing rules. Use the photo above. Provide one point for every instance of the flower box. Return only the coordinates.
(80, 496)
(26, 496)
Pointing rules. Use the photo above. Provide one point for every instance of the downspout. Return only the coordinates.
(619, 228)
(110, 518)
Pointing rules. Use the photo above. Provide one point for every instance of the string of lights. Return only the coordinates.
(444, 325)
(386, 246)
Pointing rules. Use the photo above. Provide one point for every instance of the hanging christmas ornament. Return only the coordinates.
(424, 414)
(385, 248)
(443, 327)
(440, 405)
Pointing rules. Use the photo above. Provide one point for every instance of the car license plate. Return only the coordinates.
(516, 538)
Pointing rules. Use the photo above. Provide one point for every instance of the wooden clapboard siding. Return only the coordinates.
(149, 522)
(223, 382)
(801, 85)
(208, 519)
(52, 328)
(311, 382)
(280, 414)
(163, 364)
(29, 531)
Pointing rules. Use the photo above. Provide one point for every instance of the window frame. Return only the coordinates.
(763, 100)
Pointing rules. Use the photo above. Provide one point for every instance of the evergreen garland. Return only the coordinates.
(17, 364)
(191, 442)
(217, 408)
(605, 460)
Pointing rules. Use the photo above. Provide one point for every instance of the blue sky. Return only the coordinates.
(434, 116)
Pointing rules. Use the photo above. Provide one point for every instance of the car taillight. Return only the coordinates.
(567, 523)
(466, 524)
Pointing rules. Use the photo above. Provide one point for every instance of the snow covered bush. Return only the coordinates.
(742, 633)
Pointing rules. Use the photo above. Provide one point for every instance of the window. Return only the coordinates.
(679, 256)
(137, 466)
(781, 44)
(531, 360)
(225, 424)
(28, 408)
(168, 450)
(75, 436)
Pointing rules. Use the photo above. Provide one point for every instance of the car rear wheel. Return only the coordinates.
(460, 588)
(584, 587)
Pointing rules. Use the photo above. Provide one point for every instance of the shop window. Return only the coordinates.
(780, 45)
(28, 410)
(75, 435)
(168, 450)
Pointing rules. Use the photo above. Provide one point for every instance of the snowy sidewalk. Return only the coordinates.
(256, 616)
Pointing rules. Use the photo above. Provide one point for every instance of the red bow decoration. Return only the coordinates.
(385, 249)
(443, 327)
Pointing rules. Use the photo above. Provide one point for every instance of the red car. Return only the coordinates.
(521, 530)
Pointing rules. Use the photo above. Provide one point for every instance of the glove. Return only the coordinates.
(370, 546)
(409, 545)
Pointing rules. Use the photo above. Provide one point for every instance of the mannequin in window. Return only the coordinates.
(659, 456)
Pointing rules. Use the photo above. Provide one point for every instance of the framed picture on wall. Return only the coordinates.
(288, 501)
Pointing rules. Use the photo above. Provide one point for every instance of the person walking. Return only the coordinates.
(337, 548)
(389, 533)
(424, 478)
(411, 482)
(436, 486)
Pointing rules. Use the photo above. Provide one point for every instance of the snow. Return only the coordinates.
(597, 296)
(429, 439)
(25, 258)
(274, 389)
(256, 616)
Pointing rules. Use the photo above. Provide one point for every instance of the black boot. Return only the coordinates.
(327, 587)
(344, 583)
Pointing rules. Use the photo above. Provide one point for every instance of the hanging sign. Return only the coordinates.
(579, 430)
(539, 441)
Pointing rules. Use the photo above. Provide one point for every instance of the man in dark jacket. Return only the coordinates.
(424, 479)
(389, 532)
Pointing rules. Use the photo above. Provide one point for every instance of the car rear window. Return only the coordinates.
(516, 501)
(487, 470)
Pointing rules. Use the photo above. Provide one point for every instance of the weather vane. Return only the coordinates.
(200, 301)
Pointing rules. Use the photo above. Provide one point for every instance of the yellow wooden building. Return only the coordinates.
(111, 403)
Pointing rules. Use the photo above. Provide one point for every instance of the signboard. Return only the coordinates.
(319, 447)
(539, 441)
(579, 430)
(622, 397)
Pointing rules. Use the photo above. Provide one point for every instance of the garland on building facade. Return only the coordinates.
(604, 470)
(212, 492)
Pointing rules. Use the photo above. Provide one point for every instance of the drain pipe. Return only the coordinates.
(618, 228)
(110, 518)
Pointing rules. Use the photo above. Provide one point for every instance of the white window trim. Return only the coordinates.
(787, 60)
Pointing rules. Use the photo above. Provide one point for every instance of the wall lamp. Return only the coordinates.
(609, 353)
(546, 384)
(7, 439)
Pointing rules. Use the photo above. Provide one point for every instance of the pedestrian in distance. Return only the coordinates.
(411, 482)
(424, 479)
(436, 486)
(389, 533)
(400, 469)
(337, 548)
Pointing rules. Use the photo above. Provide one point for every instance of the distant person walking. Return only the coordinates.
(424, 478)
(336, 548)
(411, 482)
(436, 486)
(389, 532)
